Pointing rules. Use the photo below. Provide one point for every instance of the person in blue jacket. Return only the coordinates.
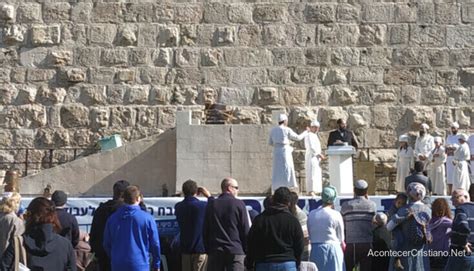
(131, 236)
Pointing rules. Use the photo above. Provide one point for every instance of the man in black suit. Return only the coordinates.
(341, 135)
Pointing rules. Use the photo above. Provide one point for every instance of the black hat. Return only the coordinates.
(59, 198)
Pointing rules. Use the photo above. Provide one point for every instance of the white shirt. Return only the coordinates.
(470, 141)
(424, 145)
(325, 225)
(462, 153)
(452, 141)
(312, 145)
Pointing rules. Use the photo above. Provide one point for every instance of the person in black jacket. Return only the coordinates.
(342, 135)
(45, 249)
(69, 226)
(103, 212)
(418, 177)
(275, 240)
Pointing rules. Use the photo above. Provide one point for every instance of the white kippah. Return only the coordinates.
(282, 117)
(425, 126)
(315, 123)
(455, 125)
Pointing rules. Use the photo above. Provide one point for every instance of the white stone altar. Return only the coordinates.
(340, 168)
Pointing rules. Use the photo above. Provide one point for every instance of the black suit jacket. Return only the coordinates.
(418, 177)
(344, 135)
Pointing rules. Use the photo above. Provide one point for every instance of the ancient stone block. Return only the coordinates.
(4, 75)
(435, 95)
(279, 76)
(93, 95)
(319, 95)
(405, 13)
(346, 12)
(372, 34)
(45, 34)
(424, 76)
(55, 12)
(269, 13)
(125, 75)
(40, 75)
(160, 95)
(7, 12)
(24, 138)
(268, 96)
(318, 56)
(8, 94)
(147, 35)
(243, 115)
(102, 34)
(320, 13)
(437, 57)
(185, 95)
(139, 12)
(225, 35)
(6, 138)
(247, 57)
(410, 94)
(333, 76)
(468, 13)
(338, 34)
(188, 13)
(137, 94)
(408, 57)
(115, 94)
(168, 36)
(345, 57)
(240, 13)
(163, 57)
(188, 35)
(366, 75)
(466, 77)
(249, 76)
(385, 97)
(13, 35)
(330, 114)
(127, 36)
(8, 56)
(211, 57)
(378, 13)
(427, 36)
(187, 76)
(461, 57)
(249, 35)
(102, 75)
(305, 35)
(50, 96)
(152, 75)
(32, 58)
(52, 138)
(448, 13)
(343, 96)
(447, 77)
(287, 57)
(277, 35)
(376, 57)
(18, 75)
(304, 75)
(76, 75)
(399, 34)
(215, 12)
(107, 13)
(74, 34)
(73, 116)
(294, 95)
(29, 13)
(122, 117)
(139, 56)
(26, 94)
(460, 37)
(111, 57)
(81, 12)
(60, 58)
(186, 58)
(164, 12)
(236, 96)
(166, 117)
(459, 96)
(31, 116)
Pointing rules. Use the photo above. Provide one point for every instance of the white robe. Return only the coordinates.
(314, 180)
(470, 141)
(423, 146)
(404, 164)
(436, 172)
(451, 140)
(283, 169)
(461, 173)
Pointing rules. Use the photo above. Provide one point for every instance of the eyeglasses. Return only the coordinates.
(235, 187)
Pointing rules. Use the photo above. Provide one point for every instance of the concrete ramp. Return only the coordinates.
(148, 163)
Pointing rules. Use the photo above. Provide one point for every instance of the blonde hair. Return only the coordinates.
(10, 203)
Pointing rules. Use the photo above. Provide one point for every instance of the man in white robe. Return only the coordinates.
(424, 144)
(283, 169)
(451, 145)
(437, 159)
(461, 157)
(313, 156)
(470, 142)
(404, 162)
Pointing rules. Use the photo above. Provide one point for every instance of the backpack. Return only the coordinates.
(418, 234)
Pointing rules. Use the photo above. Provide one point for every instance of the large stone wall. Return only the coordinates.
(71, 72)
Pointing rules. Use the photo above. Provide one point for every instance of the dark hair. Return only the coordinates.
(339, 121)
(42, 211)
(282, 196)
(293, 202)
(440, 208)
(402, 195)
(119, 188)
(360, 192)
(281, 122)
(225, 183)
(267, 202)
(419, 166)
(131, 195)
(189, 188)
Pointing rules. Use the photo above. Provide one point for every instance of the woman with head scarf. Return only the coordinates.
(413, 220)
(326, 233)
(11, 226)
